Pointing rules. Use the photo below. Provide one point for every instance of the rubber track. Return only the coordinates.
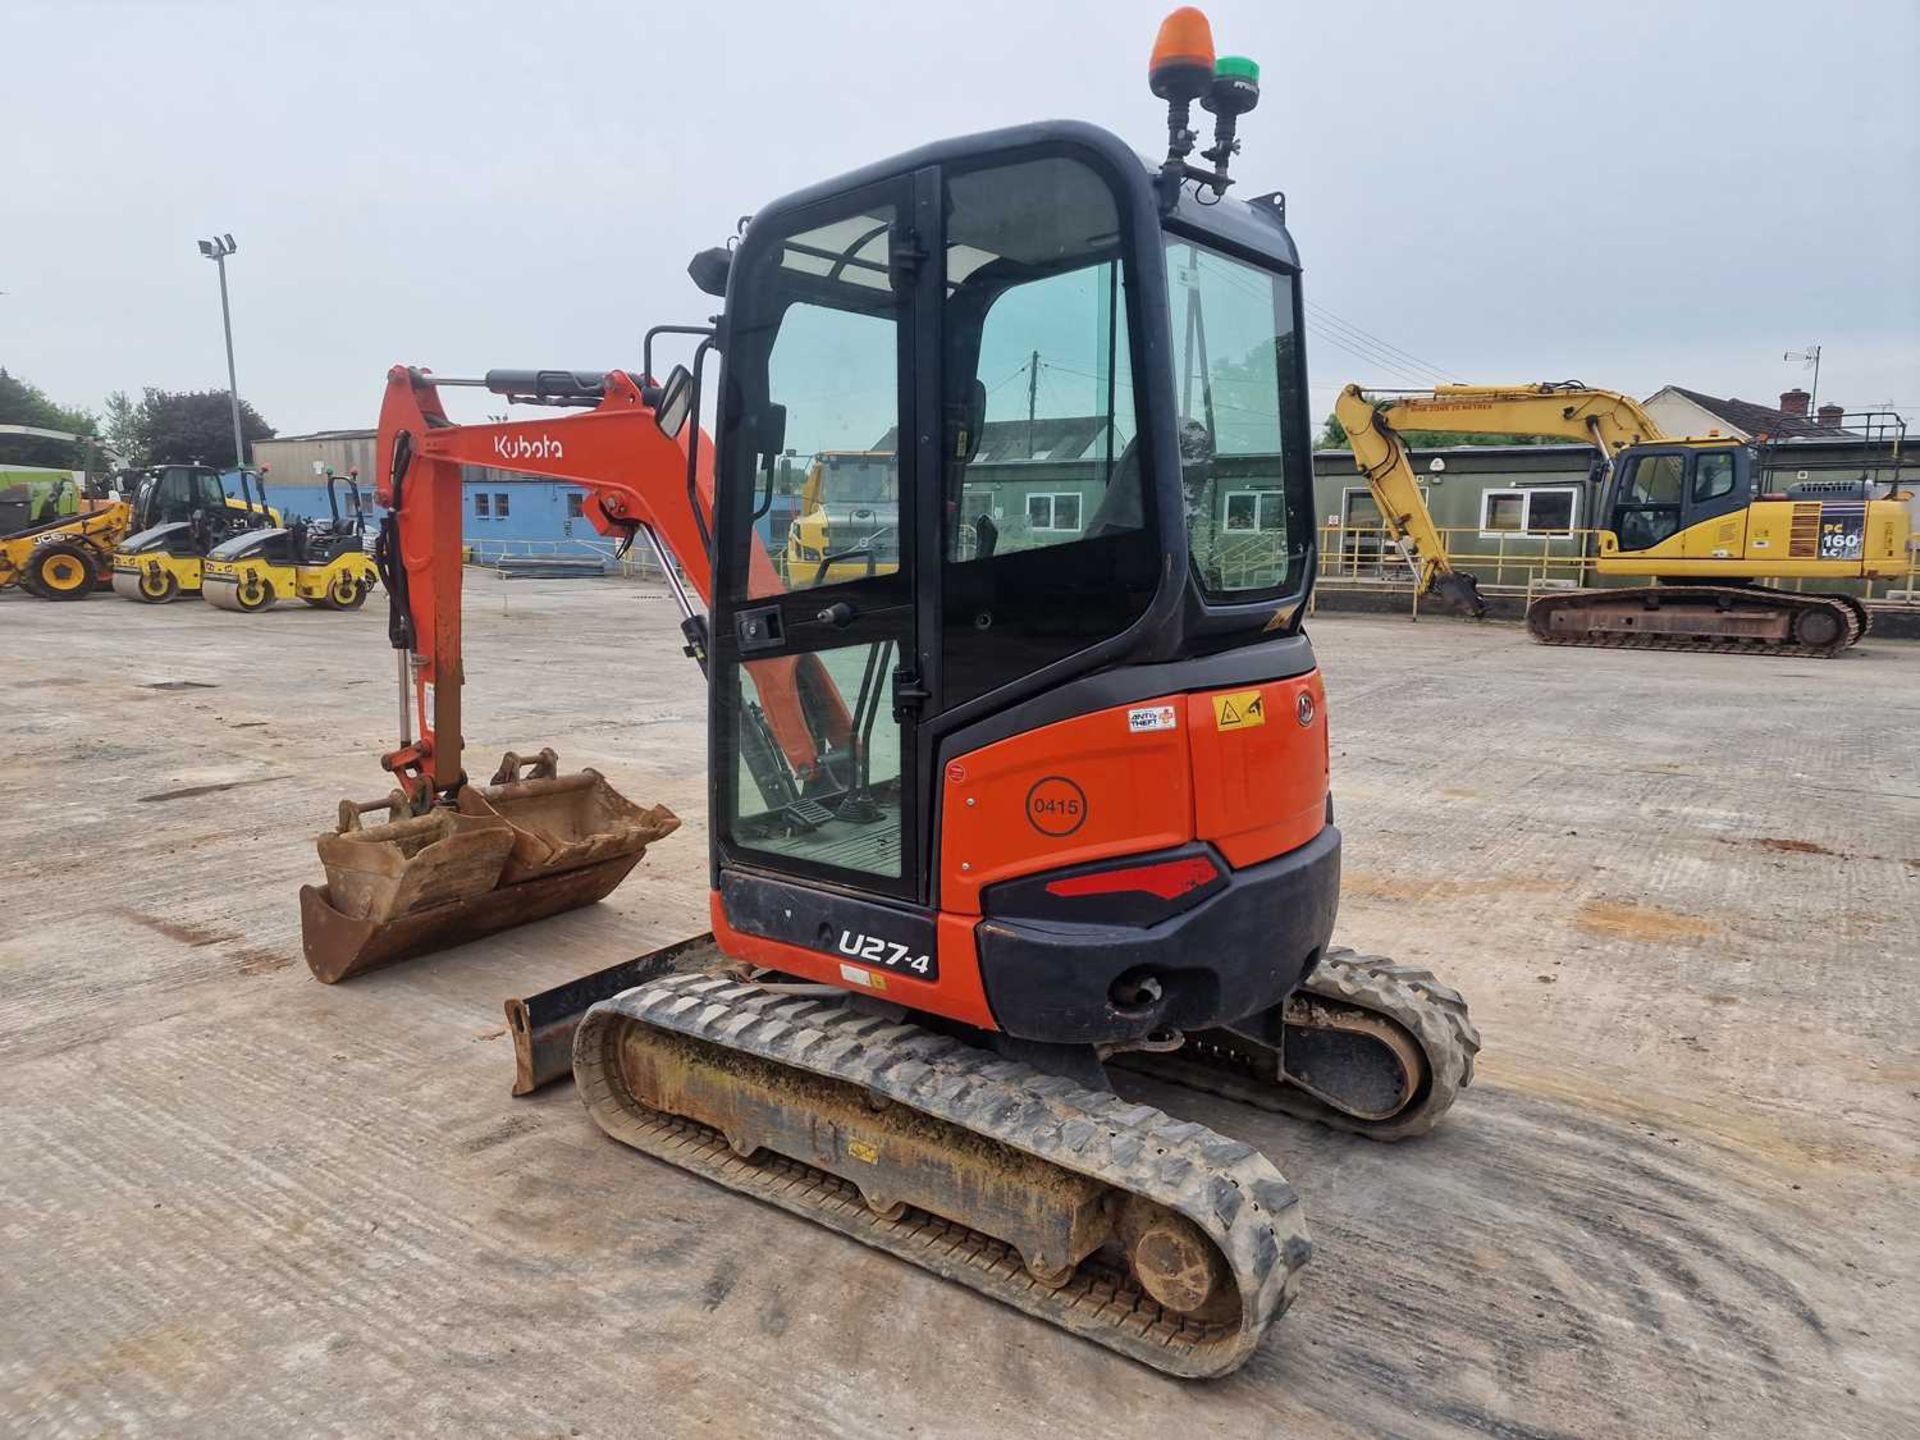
(1435, 1015)
(1226, 1187)
(1856, 622)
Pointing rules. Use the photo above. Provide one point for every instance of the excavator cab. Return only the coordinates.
(1091, 395)
(1660, 490)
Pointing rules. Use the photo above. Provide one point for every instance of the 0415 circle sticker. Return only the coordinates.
(1056, 806)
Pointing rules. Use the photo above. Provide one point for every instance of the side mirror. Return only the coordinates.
(709, 270)
(676, 401)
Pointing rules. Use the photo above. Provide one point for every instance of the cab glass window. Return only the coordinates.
(819, 352)
(1712, 477)
(1047, 535)
(1656, 480)
(1237, 377)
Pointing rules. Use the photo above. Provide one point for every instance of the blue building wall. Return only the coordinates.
(540, 516)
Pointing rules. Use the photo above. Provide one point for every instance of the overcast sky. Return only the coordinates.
(1632, 194)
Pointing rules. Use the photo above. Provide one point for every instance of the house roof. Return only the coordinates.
(318, 435)
(1752, 419)
(1064, 438)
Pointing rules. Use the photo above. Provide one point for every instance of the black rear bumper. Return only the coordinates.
(1240, 950)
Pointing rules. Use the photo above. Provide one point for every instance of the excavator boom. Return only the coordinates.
(636, 475)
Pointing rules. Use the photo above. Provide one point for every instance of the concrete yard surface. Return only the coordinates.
(1682, 894)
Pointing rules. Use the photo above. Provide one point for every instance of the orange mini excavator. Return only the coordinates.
(1047, 795)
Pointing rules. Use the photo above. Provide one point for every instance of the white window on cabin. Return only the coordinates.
(1253, 511)
(500, 505)
(1537, 510)
(1059, 512)
(481, 505)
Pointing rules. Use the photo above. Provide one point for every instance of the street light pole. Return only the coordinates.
(217, 250)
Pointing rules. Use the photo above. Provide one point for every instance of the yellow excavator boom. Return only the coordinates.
(1604, 418)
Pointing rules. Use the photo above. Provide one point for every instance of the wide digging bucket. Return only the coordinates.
(564, 822)
(514, 852)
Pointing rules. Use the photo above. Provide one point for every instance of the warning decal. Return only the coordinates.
(1241, 710)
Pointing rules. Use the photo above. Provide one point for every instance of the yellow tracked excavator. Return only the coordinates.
(1700, 517)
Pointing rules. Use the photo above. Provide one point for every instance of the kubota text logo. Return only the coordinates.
(518, 447)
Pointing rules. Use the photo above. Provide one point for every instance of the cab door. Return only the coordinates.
(1648, 497)
(1718, 493)
(818, 685)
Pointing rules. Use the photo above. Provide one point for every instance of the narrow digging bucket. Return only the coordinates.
(513, 852)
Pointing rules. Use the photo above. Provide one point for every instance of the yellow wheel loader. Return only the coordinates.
(65, 556)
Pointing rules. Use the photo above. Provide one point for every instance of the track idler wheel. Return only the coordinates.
(1819, 628)
(1359, 1062)
(1176, 1263)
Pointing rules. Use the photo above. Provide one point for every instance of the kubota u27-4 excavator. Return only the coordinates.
(981, 826)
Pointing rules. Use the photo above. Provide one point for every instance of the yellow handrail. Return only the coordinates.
(1519, 561)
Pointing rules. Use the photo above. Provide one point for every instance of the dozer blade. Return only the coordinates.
(1155, 1237)
(512, 853)
(542, 1025)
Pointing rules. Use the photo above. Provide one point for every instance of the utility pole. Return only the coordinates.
(217, 250)
(1033, 395)
(1809, 356)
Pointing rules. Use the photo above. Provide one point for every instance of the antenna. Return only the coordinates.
(1809, 357)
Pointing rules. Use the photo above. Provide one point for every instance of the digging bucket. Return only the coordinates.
(564, 822)
(512, 852)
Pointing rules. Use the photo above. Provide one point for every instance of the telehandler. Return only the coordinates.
(982, 824)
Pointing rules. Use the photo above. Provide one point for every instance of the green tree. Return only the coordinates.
(122, 429)
(22, 403)
(182, 426)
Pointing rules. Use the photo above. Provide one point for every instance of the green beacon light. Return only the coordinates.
(1235, 90)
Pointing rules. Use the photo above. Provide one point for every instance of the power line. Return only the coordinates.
(1386, 345)
(1374, 360)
